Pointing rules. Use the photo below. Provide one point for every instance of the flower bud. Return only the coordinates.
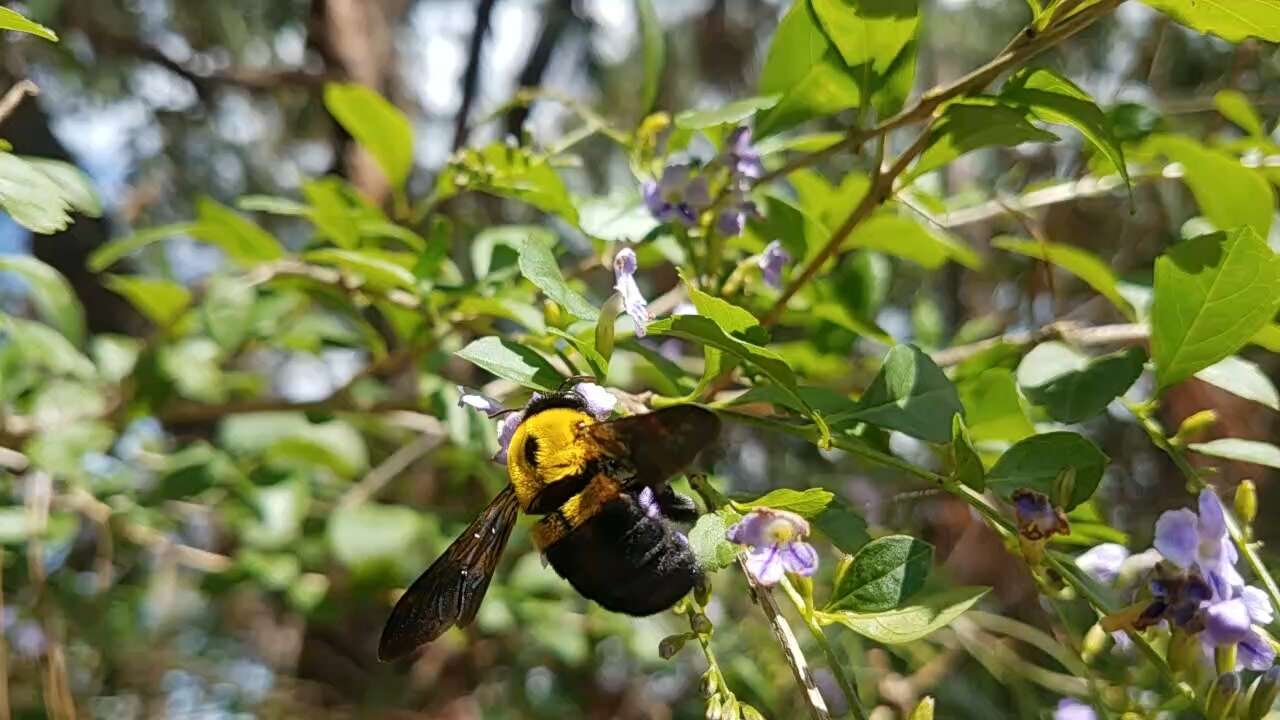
(1193, 425)
(671, 645)
(702, 592)
(1223, 696)
(1115, 697)
(1246, 502)
(1095, 641)
(701, 624)
(1264, 696)
(924, 709)
(750, 713)
(1184, 650)
(1064, 487)
(709, 685)
(715, 706)
(553, 314)
(842, 566)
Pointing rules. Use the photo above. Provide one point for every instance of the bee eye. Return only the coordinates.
(531, 451)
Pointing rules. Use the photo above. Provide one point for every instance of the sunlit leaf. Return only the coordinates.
(910, 623)
(53, 297)
(885, 573)
(379, 127)
(1036, 462)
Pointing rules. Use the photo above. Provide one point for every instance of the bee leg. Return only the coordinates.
(675, 506)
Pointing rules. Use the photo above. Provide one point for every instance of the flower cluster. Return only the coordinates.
(683, 192)
(1196, 588)
(775, 539)
(599, 402)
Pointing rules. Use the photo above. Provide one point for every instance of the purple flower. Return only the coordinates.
(1037, 518)
(771, 262)
(1231, 620)
(633, 303)
(733, 219)
(599, 401)
(1190, 540)
(507, 425)
(741, 157)
(1102, 562)
(679, 195)
(776, 542)
(1072, 709)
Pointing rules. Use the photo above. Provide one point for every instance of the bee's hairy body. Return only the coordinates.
(585, 481)
(595, 534)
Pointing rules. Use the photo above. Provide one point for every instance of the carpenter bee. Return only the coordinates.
(600, 489)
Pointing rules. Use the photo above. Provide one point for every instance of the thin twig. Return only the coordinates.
(14, 97)
(790, 647)
(188, 556)
(390, 468)
(4, 651)
(1071, 332)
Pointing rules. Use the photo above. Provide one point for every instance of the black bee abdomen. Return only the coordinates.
(625, 560)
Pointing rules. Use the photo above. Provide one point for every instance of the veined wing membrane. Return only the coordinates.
(658, 444)
(450, 591)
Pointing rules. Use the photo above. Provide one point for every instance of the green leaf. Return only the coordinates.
(538, 265)
(1249, 451)
(1228, 193)
(707, 538)
(379, 268)
(31, 198)
(1235, 107)
(376, 124)
(1073, 388)
(805, 503)
(1231, 20)
(1081, 263)
(1268, 337)
(806, 69)
(885, 573)
(11, 20)
(160, 301)
(870, 32)
(966, 464)
(281, 509)
(909, 240)
(53, 297)
(372, 534)
(77, 188)
(733, 320)
(228, 310)
(1242, 378)
(43, 347)
(112, 252)
(1212, 294)
(241, 239)
(615, 218)
(1053, 98)
(652, 53)
(913, 622)
(993, 410)
(1035, 463)
(699, 329)
(732, 113)
(846, 529)
(969, 125)
(909, 394)
(513, 362)
(509, 172)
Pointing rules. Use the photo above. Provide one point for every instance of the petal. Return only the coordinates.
(765, 565)
(731, 223)
(1213, 522)
(1226, 622)
(600, 402)
(507, 425)
(1072, 709)
(1255, 653)
(649, 503)
(1177, 538)
(799, 558)
(697, 194)
(1260, 610)
(749, 530)
(478, 401)
(653, 199)
(1102, 562)
(624, 263)
(674, 178)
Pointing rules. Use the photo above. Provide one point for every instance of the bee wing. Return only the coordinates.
(659, 444)
(450, 591)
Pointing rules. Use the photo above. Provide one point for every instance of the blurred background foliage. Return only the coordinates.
(233, 493)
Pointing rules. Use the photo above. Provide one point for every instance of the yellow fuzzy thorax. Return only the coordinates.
(560, 452)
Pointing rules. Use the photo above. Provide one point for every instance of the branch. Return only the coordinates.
(15, 95)
(787, 641)
(1071, 332)
(471, 76)
(386, 471)
(1022, 48)
(195, 558)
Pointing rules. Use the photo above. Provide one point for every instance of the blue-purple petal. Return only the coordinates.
(1103, 562)
(765, 565)
(1226, 621)
(1177, 537)
(799, 558)
(1072, 709)
(1255, 653)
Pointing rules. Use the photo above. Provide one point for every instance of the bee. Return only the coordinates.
(601, 492)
